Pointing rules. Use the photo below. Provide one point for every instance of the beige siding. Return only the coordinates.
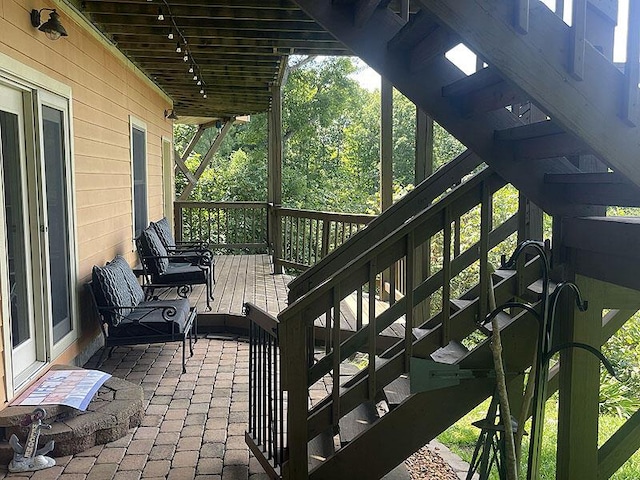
(106, 91)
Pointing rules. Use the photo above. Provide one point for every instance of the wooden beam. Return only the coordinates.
(420, 27)
(207, 158)
(363, 10)
(579, 387)
(620, 447)
(274, 172)
(386, 144)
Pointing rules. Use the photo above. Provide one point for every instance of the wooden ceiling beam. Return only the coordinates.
(236, 24)
(254, 4)
(196, 33)
(180, 12)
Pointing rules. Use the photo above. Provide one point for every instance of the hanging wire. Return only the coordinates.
(182, 47)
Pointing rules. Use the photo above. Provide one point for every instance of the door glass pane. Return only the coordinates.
(139, 180)
(58, 223)
(15, 227)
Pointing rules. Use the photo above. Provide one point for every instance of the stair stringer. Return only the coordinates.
(424, 88)
(421, 417)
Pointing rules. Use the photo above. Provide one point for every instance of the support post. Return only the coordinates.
(423, 169)
(274, 189)
(579, 386)
(386, 162)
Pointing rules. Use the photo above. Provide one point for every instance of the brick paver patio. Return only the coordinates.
(193, 426)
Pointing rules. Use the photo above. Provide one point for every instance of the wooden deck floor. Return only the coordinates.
(241, 279)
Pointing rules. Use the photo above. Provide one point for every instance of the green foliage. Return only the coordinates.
(622, 397)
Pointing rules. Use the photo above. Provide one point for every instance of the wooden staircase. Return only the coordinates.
(578, 158)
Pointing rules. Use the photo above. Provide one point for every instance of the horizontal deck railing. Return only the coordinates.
(308, 236)
(305, 236)
(233, 225)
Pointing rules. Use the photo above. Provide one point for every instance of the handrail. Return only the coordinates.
(411, 204)
(300, 369)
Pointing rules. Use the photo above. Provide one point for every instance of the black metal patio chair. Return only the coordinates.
(194, 252)
(163, 270)
(127, 318)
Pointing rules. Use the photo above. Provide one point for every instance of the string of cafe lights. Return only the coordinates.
(182, 46)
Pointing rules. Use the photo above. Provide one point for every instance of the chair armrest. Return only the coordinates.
(168, 312)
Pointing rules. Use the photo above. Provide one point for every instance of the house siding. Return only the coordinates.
(106, 91)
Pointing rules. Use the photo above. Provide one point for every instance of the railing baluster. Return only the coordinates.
(456, 237)
(485, 228)
(252, 378)
(578, 38)
(269, 398)
(325, 237)
(359, 309)
(372, 330)
(446, 282)
(632, 67)
(335, 391)
(521, 22)
(409, 277)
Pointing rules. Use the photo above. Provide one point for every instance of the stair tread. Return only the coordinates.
(357, 421)
(320, 448)
(503, 319)
(459, 303)
(450, 353)
(481, 79)
(536, 287)
(532, 130)
(397, 391)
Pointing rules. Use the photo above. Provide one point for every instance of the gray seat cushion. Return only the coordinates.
(154, 318)
(181, 274)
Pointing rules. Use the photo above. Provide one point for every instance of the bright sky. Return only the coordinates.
(466, 60)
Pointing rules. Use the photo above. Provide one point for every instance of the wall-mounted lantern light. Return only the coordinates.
(170, 114)
(52, 27)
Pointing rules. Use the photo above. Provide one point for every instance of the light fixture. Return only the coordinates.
(202, 91)
(160, 15)
(191, 69)
(186, 57)
(204, 96)
(170, 35)
(170, 114)
(178, 48)
(195, 77)
(52, 28)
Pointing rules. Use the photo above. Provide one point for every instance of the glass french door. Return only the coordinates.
(37, 270)
(17, 266)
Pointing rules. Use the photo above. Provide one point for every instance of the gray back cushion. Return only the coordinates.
(152, 246)
(163, 230)
(137, 294)
(111, 290)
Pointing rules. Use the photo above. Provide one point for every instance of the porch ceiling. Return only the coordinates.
(237, 45)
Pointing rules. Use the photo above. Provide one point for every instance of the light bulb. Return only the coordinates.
(160, 15)
(185, 58)
(178, 48)
(170, 36)
(195, 77)
(190, 68)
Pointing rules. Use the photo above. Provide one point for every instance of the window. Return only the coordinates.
(139, 175)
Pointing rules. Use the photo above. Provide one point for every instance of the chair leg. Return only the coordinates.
(209, 296)
(184, 346)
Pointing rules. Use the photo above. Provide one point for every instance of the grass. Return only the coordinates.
(461, 439)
